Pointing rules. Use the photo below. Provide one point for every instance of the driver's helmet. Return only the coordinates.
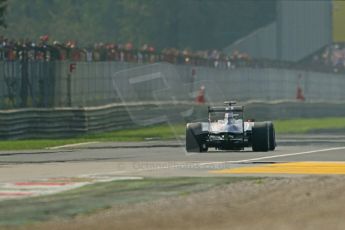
(229, 116)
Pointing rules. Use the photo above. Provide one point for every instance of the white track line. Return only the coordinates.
(275, 156)
(72, 145)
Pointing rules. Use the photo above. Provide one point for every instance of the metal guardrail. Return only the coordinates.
(68, 122)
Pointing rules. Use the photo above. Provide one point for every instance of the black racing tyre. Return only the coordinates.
(272, 136)
(260, 137)
(195, 138)
(203, 145)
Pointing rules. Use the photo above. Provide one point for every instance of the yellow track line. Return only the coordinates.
(289, 168)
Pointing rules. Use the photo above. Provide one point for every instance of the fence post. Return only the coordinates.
(69, 89)
(25, 79)
(72, 68)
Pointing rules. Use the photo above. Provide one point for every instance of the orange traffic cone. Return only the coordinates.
(200, 98)
(299, 95)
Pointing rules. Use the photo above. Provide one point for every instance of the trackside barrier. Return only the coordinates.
(68, 122)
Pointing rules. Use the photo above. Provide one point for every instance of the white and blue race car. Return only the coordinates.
(227, 130)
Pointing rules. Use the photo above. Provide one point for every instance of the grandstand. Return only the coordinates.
(300, 29)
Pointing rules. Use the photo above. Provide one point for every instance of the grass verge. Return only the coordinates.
(102, 196)
(297, 126)
(300, 126)
(139, 134)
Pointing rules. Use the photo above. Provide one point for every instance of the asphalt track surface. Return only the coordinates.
(168, 158)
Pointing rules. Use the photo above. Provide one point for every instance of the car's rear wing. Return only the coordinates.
(238, 109)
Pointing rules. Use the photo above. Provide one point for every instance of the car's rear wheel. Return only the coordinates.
(260, 137)
(195, 138)
(272, 136)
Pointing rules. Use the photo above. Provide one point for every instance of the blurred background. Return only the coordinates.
(81, 54)
(194, 24)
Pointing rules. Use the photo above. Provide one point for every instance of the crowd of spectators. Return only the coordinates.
(331, 58)
(44, 50)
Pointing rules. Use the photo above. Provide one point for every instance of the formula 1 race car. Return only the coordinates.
(227, 130)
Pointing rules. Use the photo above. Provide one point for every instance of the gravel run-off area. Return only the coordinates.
(311, 202)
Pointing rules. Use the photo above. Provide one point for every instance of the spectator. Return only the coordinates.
(331, 58)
